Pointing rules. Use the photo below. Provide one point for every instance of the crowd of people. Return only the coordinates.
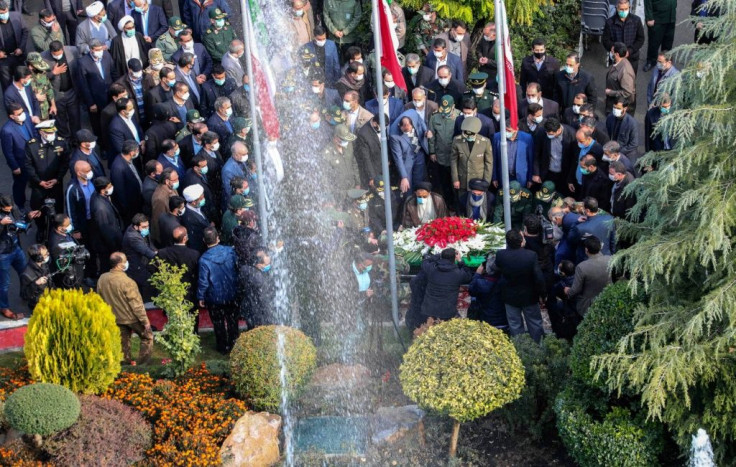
(129, 124)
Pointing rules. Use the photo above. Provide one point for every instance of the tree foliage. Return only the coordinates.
(472, 11)
(680, 355)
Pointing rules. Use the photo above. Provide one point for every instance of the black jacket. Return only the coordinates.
(621, 204)
(166, 225)
(444, 279)
(627, 133)
(524, 279)
(182, 255)
(566, 88)
(255, 296)
(149, 186)
(596, 151)
(435, 91)
(31, 292)
(545, 76)
(195, 224)
(139, 251)
(630, 32)
(598, 185)
(155, 136)
(127, 195)
(543, 149)
(487, 304)
(424, 76)
(107, 235)
(245, 243)
(368, 154)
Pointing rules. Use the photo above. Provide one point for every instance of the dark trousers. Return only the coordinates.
(68, 23)
(660, 35)
(20, 182)
(68, 118)
(560, 181)
(7, 67)
(146, 349)
(225, 321)
(95, 121)
(441, 179)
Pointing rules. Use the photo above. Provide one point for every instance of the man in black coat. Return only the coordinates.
(162, 127)
(256, 290)
(194, 218)
(620, 203)
(179, 254)
(571, 81)
(368, 152)
(197, 174)
(587, 146)
(524, 286)
(15, 37)
(151, 171)
(415, 74)
(127, 196)
(443, 85)
(545, 74)
(444, 278)
(555, 153)
(626, 27)
(595, 183)
(623, 128)
(106, 225)
(139, 251)
(169, 221)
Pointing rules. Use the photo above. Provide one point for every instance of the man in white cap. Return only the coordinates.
(194, 218)
(129, 44)
(95, 26)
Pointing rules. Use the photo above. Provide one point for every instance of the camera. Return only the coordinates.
(18, 227)
(70, 263)
(49, 207)
(548, 232)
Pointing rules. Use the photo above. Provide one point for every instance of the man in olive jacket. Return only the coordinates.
(342, 18)
(440, 134)
(472, 156)
(121, 293)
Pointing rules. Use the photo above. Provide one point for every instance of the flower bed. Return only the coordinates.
(470, 238)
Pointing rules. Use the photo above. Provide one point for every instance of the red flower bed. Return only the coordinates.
(445, 230)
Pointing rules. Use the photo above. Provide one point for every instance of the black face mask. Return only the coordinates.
(539, 55)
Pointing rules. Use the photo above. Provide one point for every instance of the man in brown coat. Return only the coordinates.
(620, 79)
(121, 293)
(423, 206)
(166, 188)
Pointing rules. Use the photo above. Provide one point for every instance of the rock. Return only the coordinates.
(254, 441)
(392, 423)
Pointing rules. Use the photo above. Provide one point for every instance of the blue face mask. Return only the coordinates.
(178, 151)
(145, 232)
(421, 200)
(219, 82)
(582, 146)
(246, 192)
(623, 14)
(246, 87)
(130, 32)
(254, 176)
(138, 9)
(569, 70)
(201, 202)
(476, 197)
(315, 125)
(363, 206)
(204, 170)
(171, 84)
(368, 268)
(585, 171)
(266, 268)
(664, 110)
(4, 16)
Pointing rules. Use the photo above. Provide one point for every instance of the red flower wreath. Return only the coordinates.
(446, 230)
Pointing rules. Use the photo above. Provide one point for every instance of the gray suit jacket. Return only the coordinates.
(591, 277)
(84, 35)
(233, 68)
(71, 54)
(429, 108)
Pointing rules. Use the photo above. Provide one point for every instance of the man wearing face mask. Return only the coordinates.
(477, 203)
(200, 65)
(150, 20)
(77, 206)
(46, 31)
(368, 152)
(660, 142)
(393, 106)
(139, 251)
(423, 28)
(479, 93)
(539, 68)
(301, 24)
(423, 206)
(520, 153)
(620, 79)
(620, 203)
(197, 15)
(219, 122)
(483, 51)
(123, 128)
(357, 115)
(440, 134)
(441, 57)
(415, 74)
(21, 92)
(106, 229)
(626, 27)
(596, 183)
(556, 153)
(534, 121)
(241, 130)
(344, 173)
(86, 151)
(424, 107)
(128, 197)
(96, 26)
(324, 97)
(622, 127)
(35, 278)
(571, 81)
(65, 232)
(163, 127)
(197, 175)
(587, 145)
(472, 156)
(571, 115)
(15, 133)
(128, 45)
(195, 218)
(469, 109)
(62, 62)
(152, 173)
(341, 19)
(219, 86)
(534, 96)
(170, 221)
(167, 186)
(121, 293)
(167, 41)
(612, 153)
(152, 74)
(458, 41)
(217, 38)
(665, 70)
(325, 52)
(132, 81)
(445, 84)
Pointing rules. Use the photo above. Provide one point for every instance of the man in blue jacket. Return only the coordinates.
(325, 52)
(196, 13)
(520, 152)
(217, 287)
(598, 224)
(13, 136)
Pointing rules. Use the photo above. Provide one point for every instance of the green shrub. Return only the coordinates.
(73, 340)
(107, 433)
(255, 368)
(462, 368)
(177, 337)
(609, 318)
(3, 420)
(545, 371)
(620, 438)
(42, 409)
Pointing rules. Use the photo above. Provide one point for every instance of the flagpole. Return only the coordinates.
(254, 119)
(388, 195)
(501, 72)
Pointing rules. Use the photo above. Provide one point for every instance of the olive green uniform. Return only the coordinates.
(554, 202)
(342, 15)
(422, 33)
(484, 101)
(467, 164)
(343, 168)
(41, 85)
(217, 41)
(521, 207)
(168, 45)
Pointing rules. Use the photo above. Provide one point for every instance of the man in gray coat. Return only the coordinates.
(591, 275)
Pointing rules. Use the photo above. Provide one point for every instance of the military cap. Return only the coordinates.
(424, 186)
(478, 184)
(237, 202)
(239, 123)
(515, 190)
(477, 79)
(155, 56)
(471, 124)
(47, 126)
(86, 136)
(447, 103)
(356, 194)
(334, 114)
(343, 132)
(193, 116)
(547, 191)
(176, 24)
(216, 13)
(36, 61)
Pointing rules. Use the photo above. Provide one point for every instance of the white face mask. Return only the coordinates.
(157, 67)
(438, 54)
(110, 190)
(22, 117)
(576, 109)
(131, 112)
(50, 138)
(606, 158)
(551, 136)
(418, 104)
(321, 43)
(97, 55)
(216, 146)
(532, 100)
(185, 97)
(359, 77)
(316, 89)
(444, 81)
(92, 145)
(479, 91)
(137, 74)
(459, 37)
(539, 119)
(389, 84)
(497, 117)
(344, 144)
(612, 178)
(189, 46)
(126, 265)
(58, 57)
(617, 113)
(90, 175)
(427, 17)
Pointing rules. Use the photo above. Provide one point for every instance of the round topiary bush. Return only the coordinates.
(73, 340)
(462, 368)
(107, 433)
(255, 368)
(41, 409)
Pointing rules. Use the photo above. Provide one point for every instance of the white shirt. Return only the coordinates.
(24, 96)
(130, 45)
(439, 64)
(132, 128)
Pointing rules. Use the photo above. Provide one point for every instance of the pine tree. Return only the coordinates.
(681, 355)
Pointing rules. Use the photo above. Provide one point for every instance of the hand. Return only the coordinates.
(147, 327)
(59, 69)
(16, 171)
(340, 224)
(456, 185)
(42, 280)
(201, 79)
(35, 120)
(536, 179)
(41, 97)
(174, 119)
(479, 270)
(698, 25)
(6, 220)
(369, 293)
(52, 109)
(201, 303)
(429, 134)
(77, 236)
(571, 187)
(370, 183)
(55, 26)
(147, 39)
(34, 214)
(608, 92)
(404, 185)
(528, 184)
(650, 23)
(433, 157)
(582, 219)
(567, 290)
(44, 185)
(495, 183)
(52, 183)
(17, 52)
(483, 60)
(93, 108)
(339, 34)
(3, 54)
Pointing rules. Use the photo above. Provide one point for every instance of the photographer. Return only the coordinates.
(67, 255)
(11, 224)
(35, 279)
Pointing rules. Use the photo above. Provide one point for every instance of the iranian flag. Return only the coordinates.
(264, 81)
(509, 93)
(389, 44)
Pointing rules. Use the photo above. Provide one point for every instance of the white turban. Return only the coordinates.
(94, 9)
(193, 192)
(123, 21)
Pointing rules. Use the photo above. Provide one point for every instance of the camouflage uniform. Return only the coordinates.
(547, 198)
(521, 205)
(422, 33)
(41, 84)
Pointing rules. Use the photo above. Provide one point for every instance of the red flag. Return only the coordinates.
(509, 81)
(388, 53)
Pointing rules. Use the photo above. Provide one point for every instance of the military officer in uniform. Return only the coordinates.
(376, 205)
(478, 91)
(547, 197)
(472, 156)
(423, 28)
(358, 217)
(310, 63)
(168, 42)
(343, 171)
(521, 205)
(218, 37)
(47, 160)
(241, 130)
(41, 85)
(193, 117)
(334, 115)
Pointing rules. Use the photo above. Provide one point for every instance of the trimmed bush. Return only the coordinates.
(546, 372)
(107, 433)
(72, 340)
(462, 368)
(621, 438)
(609, 318)
(42, 409)
(255, 368)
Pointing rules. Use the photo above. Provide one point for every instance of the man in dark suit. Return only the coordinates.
(128, 197)
(622, 127)
(423, 106)
(62, 63)
(550, 108)
(555, 154)
(202, 65)
(587, 145)
(182, 102)
(162, 128)
(415, 74)
(169, 221)
(12, 43)
(132, 80)
(170, 157)
(13, 137)
(150, 20)
(442, 57)
(164, 91)
(539, 68)
(596, 183)
(123, 128)
(69, 19)
(179, 254)
(191, 144)
(571, 81)
(325, 52)
(524, 286)
(116, 92)
(367, 150)
(116, 9)
(469, 109)
(445, 84)
(212, 89)
(139, 251)
(197, 175)
(598, 224)
(20, 92)
(94, 80)
(106, 226)
(392, 106)
(194, 218)
(151, 171)
(185, 74)
(219, 122)
(86, 151)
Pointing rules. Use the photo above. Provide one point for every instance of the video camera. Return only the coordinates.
(49, 207)
(70, 263)
(18, 227)
(548, 232)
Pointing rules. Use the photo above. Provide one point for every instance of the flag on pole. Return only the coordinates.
(389, 60)
(265, 83)
(508, 69)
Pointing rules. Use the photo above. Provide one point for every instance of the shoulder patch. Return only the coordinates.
(525, 193)
(32, 140)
